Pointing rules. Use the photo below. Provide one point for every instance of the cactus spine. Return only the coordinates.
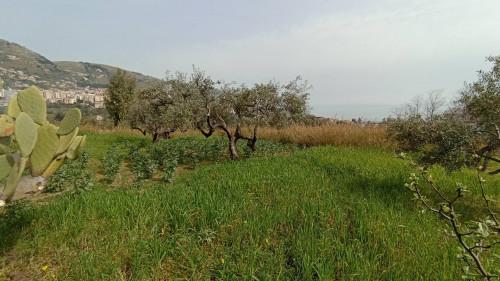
(43, 147)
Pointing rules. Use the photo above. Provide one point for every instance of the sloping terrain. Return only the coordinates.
(323, 213)
(20, 67)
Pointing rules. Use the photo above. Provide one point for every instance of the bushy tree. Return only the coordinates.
(158, 110)
(452, 138)
(432, 137)
(445, 139)
(480, 103)
(118, 95)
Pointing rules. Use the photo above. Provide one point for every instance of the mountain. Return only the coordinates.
(20, 68)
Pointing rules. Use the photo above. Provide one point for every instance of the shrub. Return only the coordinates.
(111, 163)
(72, 175)
(143, 166)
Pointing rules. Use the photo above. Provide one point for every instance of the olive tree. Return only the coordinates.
(231, 109)
(452, 138)
(158, 110)
(434, 137)
(480, 102)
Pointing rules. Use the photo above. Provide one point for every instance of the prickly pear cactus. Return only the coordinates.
(13, 109)
(66, 140)
(32, 103)
(26, 134)
(5, 145)
(70, 121)
(43, 147)
(44, 150)
(6, 163)
(6, 125)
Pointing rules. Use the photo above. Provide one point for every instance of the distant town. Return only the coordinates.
(91, 96)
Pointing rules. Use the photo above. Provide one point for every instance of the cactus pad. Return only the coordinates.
(5, 144)
(13, 109)
(70, 121)
(26, 134)
(32, 102)
(45, 149)
(74, 148)
(6, 163)
(54, 166)
(15, 174)
(81, 146)
(6, 125)
(65, 141)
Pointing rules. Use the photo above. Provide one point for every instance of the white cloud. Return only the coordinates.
(382, 55)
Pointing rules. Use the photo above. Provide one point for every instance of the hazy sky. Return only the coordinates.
(363, 58)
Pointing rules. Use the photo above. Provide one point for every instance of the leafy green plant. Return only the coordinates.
(216, 148)
(170, 167)
(143, 166)
(111, 163)
(73, 176)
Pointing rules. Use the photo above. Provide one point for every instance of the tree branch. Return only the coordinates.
(492, 215)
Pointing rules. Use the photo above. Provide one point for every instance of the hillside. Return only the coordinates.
(20, 67)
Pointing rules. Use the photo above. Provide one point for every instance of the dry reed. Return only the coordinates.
(335, 135)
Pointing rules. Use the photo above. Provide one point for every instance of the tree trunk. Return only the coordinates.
(251, 142)
(155, 137)
(232, 141)
(486, 162)
(232, 147)
(166, 134)
(143, 132)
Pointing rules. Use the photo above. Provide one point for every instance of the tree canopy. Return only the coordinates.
(232, 108)
(198, 102)
(453, 137)
(158, 110)
(118, 95)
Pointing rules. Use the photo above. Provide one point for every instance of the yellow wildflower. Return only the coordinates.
(45, 267)
(222, 260)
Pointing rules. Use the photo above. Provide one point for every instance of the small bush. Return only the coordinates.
(111, 163)
(143, 166)
(72, 175)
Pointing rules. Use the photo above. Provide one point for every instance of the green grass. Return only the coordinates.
(319, 214)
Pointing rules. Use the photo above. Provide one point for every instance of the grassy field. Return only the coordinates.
(323, 213)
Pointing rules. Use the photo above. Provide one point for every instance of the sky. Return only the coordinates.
(363, 58)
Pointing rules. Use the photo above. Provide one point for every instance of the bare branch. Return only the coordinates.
(492, 215)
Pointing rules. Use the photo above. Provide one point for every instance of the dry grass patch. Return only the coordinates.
(335, 135)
